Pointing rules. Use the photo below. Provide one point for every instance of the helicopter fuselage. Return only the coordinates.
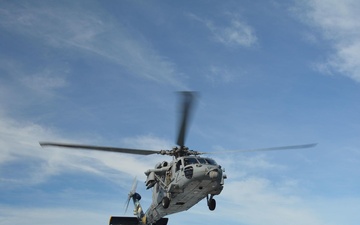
(181, 184)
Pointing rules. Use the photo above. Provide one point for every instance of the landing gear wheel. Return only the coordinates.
(165, 202)
(212, 204)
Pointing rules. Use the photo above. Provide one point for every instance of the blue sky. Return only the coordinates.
(106, 73)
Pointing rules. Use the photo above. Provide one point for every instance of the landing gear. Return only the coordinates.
(211, 202)
(165, 202)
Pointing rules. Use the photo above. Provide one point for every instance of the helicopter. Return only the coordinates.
(179, 184)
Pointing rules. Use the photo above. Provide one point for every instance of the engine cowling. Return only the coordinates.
(150, 180)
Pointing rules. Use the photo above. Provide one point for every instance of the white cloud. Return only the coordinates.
(339, 23)
(19, 143)
(235, 33)
(258, 201)
(264, 205)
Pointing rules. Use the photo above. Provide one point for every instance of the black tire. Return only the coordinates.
(165, 202)
(212, 204)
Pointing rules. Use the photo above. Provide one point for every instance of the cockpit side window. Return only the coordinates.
(178, 164)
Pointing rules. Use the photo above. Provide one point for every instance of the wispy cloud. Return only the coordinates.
(222, 74)
(338, 22)
(235, 32)
(21, 85)
(14, 215)
(91, 31)
(44, 81)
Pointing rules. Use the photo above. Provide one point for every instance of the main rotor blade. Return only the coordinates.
(290, 147)
(100, 148)
(186, 107)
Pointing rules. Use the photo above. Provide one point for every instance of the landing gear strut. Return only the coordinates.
(211, 202)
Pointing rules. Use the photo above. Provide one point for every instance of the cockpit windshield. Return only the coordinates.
(196, 160)
(210, 161)
(202, 160)
(190, 160)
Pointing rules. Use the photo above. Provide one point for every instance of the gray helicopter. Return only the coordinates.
(179, 184)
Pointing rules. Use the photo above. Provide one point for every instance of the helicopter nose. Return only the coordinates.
(213, 174)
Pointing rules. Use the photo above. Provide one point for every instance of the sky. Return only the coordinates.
(267, 73)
